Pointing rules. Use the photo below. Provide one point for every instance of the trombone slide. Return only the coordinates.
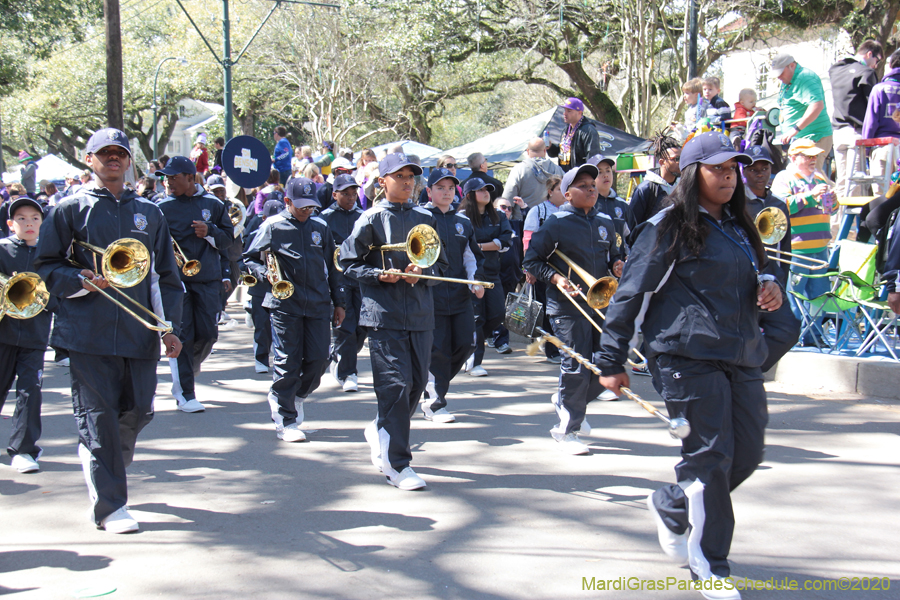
(485, 284)
(163, 328)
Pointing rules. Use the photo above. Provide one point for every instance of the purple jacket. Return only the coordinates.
(883, 101)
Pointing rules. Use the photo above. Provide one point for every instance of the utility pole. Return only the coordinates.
(692, 40)
(115, 104)
(225, 61)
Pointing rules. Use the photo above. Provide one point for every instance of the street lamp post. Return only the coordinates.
(154, 106)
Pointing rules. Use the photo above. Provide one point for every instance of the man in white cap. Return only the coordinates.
(802, 102)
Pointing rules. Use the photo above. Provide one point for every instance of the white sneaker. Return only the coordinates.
(585, 428)
(407, 480)
(24, 463)
(608, 396)
(290, 433)
(261, 368)
(120, 521)
(554, 398)
(63, 362)
(371, 433)
(478, 371)
(191, 406)
(719, 594)
(351, 384)
(440, 415)
(570, 444)
(673, 544)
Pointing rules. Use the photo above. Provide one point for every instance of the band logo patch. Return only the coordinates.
(316, 238)
(206, 214)
(603, 233)
(459, 228)
(140, 221)
(618, 212)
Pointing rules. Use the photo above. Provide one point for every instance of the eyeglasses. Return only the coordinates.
(450, 166)
(107, 152)
(307, 208)
(505, 207)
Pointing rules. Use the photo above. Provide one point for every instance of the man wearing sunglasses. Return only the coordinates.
(112, 355)
(199, 223)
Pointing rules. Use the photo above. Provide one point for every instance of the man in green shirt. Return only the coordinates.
(802, 102)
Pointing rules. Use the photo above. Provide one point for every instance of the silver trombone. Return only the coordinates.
(771, 223)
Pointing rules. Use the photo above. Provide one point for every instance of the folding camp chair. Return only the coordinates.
(856, 264)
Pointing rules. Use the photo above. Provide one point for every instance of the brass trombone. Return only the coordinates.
(248, 279)
(236, 211)
(771, 223)
(281, 288)
(423, 247)
(124, 264)
(599, 294)
(679, 427)
(22, 295)
(188, 267)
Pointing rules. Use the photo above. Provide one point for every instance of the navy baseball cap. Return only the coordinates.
(301, 192)
(569, 177)
(394, 162)
(476, 183)
(599, 158)
(24, 201)
(272, 208)
(710, 148)
(758, 153)
(342, 182)
(441, 173)
(107, 137)
(214, 181)
(178, 165)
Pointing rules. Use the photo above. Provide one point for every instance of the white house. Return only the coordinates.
(194, 117)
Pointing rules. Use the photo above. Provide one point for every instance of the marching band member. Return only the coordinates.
(587, 237)
(609, 203)
(303, 248)
(399, 312)
(694, 273)
(454, 316)
(23, 341)
(199, 223)
(349, 336)
(259, 314)
(112, 356)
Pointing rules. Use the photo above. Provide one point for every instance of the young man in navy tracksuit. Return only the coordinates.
(259, 314)
(303, 247)
(349, 337)
(399, 312)
(23, 341)
(454, 315)
(112, 356)
(587, 237)
(610, 204)
(199, 223)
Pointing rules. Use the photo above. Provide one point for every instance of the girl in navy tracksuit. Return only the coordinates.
(694, 273)
(493, 234)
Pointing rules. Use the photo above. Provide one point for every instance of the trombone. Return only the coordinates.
(236, 211)
(679, 427)
(248, 279)
(22, 295)
(771, 223)
(281, 288)
(188, 267)
(124, 264)
(600, 292)
(423, 247)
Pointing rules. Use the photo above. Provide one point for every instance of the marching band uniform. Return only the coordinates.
(349, 336)
(300, 322)
(454, 317)
(112, 356)
(615, 208)
(259, 314)
(588, 239)
(22, 346)
(202, 299)
(400, 318)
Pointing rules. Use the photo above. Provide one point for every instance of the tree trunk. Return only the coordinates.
(115, 106)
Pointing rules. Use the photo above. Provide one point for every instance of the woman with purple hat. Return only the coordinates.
(698, 275)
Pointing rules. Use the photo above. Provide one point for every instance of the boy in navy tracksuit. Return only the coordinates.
(303, 246)
(587, 237)
(199, 223)
(399, 312)
(610, 204)
(112, 356)
(454, 315)
(349, 336)
(23, 341)
(259, 314)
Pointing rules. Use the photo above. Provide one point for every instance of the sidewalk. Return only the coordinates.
(228, 511)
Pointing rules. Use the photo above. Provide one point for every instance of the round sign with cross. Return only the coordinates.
(246, 161)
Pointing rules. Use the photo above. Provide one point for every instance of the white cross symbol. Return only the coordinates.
(244, 162)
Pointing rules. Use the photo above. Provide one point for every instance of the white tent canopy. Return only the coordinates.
(51, 168)
(409, 147)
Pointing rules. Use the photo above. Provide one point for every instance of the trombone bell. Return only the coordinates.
(422, 246)
(771, 223)
(337, 259)
(600, 291)
(23, 295)
(124, 263)
(281, 288)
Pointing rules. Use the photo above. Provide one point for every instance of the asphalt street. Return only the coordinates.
(229, 511)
